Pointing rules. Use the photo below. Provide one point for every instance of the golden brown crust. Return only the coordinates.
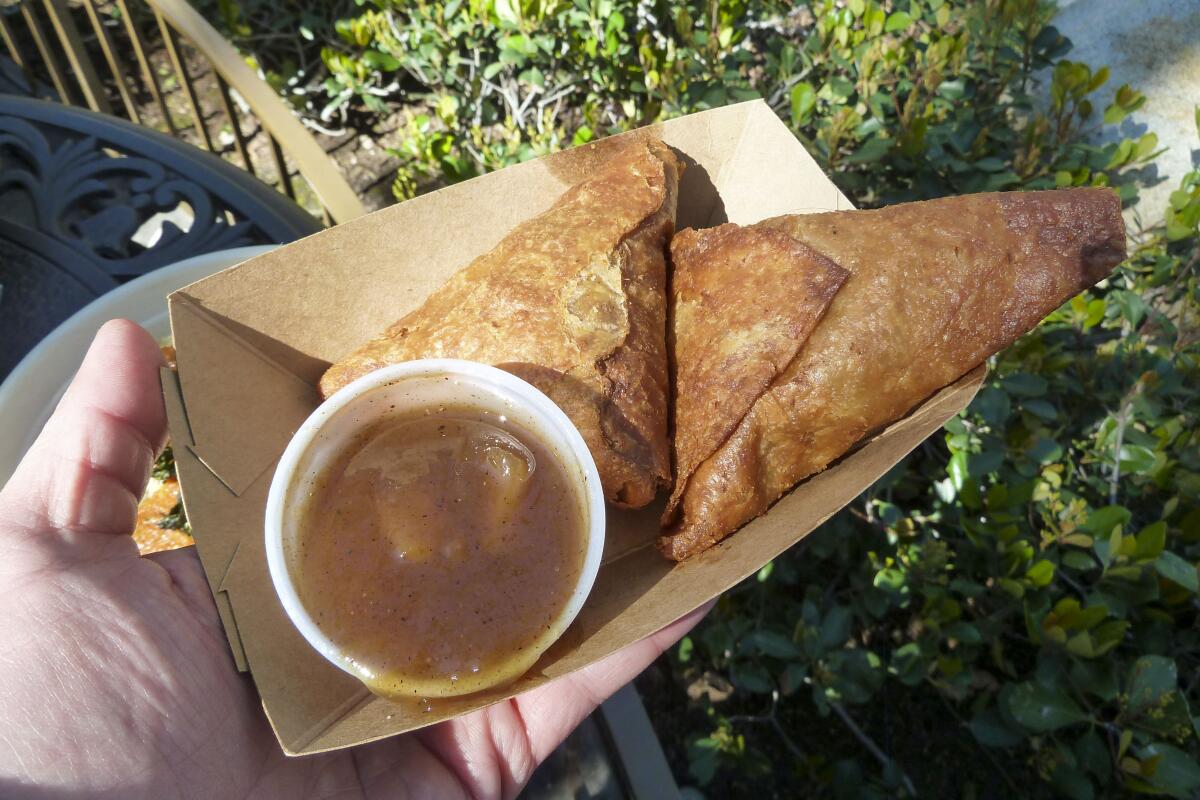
(743, 301)
(935, 288)
(573, 300)
(153, 508)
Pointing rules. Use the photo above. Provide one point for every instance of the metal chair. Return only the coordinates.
(178, 23)
(88, 201)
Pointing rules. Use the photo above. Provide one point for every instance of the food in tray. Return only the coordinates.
(741, 308)
(934, 289)
(161, 524)
(160, 521)
(792, 339)
(574, 302)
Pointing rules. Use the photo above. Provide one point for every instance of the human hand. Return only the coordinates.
(116, 678)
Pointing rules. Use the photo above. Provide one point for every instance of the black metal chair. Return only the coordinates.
(81, 196)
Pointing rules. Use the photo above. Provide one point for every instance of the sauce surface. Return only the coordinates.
(439, 546)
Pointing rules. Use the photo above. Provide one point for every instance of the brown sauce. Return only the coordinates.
(439, 546)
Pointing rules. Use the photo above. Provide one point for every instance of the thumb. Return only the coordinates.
(87, 469)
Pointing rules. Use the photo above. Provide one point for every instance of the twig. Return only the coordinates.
(1192, 683)
(319, 128)
(873, 748)
(990, 756)
(868, 518)
(1122, 421)
(773, 718)
(1058, 573)
(787, 740)
(778, 96)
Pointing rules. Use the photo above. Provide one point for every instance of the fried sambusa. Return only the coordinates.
(741, 307)
(573, 301)
(934, 289)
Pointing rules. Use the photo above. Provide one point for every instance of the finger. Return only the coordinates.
(494, 751)
(89, 465)
(553, 711)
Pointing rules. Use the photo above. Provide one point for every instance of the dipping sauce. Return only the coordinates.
(438, 548)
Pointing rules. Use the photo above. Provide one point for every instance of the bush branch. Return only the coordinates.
(873, 748)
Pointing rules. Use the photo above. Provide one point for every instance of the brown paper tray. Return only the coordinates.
(251, 342)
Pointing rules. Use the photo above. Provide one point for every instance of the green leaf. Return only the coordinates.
(1041, 408)
(963, 632)
(989, 729)
(1137, 459)
(703, 761)
(507, 11)
(792, 678)
(1179, 570)
(583, 136)
(804, 98)
(897, 21)
(1045, 451)
(840, 87)
(1015, 588)
(953, 90)
(1177, 772)
(1101, 522)
(532, 76)
(751, 677)
(874, 149)
(775, 644)
(908, 664)
(1071, 782)
(1150, 541)
(1096, 678)
(835, 629)
(164, 467)
(1150, 679)
(685, 649)
(956, 469)
(1041, 573)
(1081, 645)
(1092, 756)
(1133, 308)
(1109, 635)
(985, 463)
(891, 580)
(1040, 709)
(1078, 560)
(175, 519)
(380, 61)
(1025, 385)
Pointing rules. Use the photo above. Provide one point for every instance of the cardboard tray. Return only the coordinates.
(252, 341)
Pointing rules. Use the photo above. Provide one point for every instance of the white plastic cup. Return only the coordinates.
(422, 384)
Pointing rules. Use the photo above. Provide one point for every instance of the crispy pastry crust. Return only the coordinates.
(935, 288)
(761, 293)
(574, 301)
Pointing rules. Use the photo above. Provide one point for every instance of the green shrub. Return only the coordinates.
(921, 102)
(1012, 611)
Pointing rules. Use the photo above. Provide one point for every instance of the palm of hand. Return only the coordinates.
(117, 679)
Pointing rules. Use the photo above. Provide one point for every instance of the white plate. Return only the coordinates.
(32, 390)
